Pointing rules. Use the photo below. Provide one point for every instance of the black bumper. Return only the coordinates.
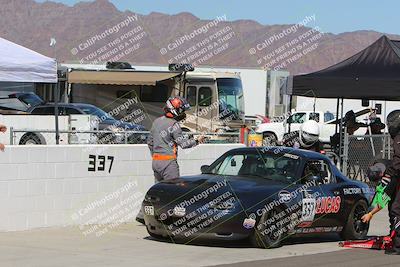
(216, 225)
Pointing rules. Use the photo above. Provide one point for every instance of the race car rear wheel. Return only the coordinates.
(355, 228)
(268, 233)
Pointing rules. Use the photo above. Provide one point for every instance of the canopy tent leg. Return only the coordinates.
(341, 133)
(56, 96)
(337, 114)
(290, 110)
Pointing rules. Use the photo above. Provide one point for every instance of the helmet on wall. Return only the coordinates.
(309, 133)
(176, 107)
(393, 123)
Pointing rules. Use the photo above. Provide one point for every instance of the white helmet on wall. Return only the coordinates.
(309, 133)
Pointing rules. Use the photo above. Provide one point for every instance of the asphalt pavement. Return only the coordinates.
(346, 257)
(130, 245)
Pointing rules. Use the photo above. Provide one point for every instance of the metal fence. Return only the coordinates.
(361, 151)
(31, 137)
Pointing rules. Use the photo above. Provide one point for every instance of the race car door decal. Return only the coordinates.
(308, 209)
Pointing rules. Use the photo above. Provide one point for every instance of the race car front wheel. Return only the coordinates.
(268, 233)
(355, 228)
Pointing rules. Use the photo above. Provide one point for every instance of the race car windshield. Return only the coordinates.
(230, 96)
(277, 167)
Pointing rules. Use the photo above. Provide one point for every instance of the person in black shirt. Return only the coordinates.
(393, 172)
(390, 180)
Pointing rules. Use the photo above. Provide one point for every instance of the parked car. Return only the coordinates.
(19, 103)
(106, 121)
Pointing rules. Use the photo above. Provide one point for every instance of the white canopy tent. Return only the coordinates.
(20, 64)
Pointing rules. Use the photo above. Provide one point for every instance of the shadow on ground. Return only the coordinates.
(246, 244)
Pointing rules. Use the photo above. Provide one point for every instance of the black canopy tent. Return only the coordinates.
(373, 73)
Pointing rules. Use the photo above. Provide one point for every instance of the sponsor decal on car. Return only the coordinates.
(179, 211)
(284, 196)
(149, 210)
(308, 209)
(318, 230)
(352, 191)
(249, 223)
(288, 155)
(368, 190)
(304, 224)
(326, 205)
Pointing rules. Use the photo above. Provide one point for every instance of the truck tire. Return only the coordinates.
(269, 139)
(355, 228)
(30, 139)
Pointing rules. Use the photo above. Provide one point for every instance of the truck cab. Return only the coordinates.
(216, 100)
(274, 131)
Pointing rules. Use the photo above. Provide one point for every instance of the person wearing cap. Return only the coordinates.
(3, 129)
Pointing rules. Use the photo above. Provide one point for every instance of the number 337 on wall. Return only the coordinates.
(98, 163)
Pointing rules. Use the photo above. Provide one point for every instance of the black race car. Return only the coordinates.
(261, 194)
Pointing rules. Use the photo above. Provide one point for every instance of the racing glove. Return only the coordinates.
(381, 197)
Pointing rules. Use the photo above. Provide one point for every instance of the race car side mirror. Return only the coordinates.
(204, 169)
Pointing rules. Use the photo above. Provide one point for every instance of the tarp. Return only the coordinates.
(373, 73)
(20, 64)
(120, 77)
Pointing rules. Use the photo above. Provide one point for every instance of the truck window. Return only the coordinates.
(157, 93)
(43, 111)
(191, 95)
(124, 94)
(70, 111)
(204, 98)
(328, 116)
(314, 116)
(230, 97)
(297, 118)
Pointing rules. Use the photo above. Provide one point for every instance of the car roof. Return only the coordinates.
(65, 105)
(282, 150)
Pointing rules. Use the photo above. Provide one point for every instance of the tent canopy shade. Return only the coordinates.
(373, 73)
(119, 77)
(20, 64)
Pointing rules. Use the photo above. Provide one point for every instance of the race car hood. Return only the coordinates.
(248, 189)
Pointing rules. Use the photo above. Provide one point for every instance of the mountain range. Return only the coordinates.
(94, 32)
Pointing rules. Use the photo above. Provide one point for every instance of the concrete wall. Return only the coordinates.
(43, 186)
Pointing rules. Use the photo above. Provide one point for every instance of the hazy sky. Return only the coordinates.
(331, 16)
